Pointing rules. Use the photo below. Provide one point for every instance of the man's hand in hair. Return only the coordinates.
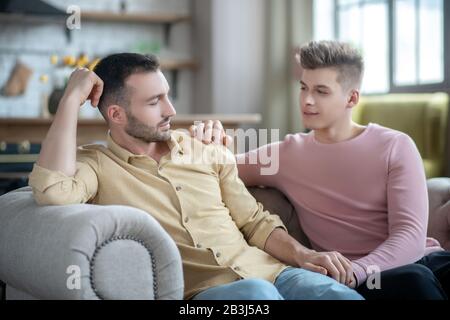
(84, 85)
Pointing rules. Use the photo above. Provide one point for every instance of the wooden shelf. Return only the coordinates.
(156, 18)
(133, 17)
(166, 19)
(42, 121)
(15, 130)
(226, 119)
(29, 18)
(14, 175)
(232, 119)
(171, 65)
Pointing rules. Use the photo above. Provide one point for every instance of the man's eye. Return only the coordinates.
(154, 102)
(302, 88)
(322, 92)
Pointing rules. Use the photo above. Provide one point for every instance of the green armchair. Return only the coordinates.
(422, 116)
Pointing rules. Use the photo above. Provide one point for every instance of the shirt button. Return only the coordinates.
(65, 186)
(218, 254)
(178, 188)
(198, 245)
(237, 268)
(186, 220)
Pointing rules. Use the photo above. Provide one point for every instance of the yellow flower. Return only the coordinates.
(93, 64)
(82, 61)
(54, 59)
(43, 78)
(69, 60)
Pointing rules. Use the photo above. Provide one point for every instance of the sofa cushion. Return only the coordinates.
(276, 203)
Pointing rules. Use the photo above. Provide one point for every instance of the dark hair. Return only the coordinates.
(114, 71)
(333, 54)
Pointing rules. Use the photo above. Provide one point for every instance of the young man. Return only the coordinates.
(357, 190)
(231, 248)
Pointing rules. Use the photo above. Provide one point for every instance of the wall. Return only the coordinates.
(301, 16)
(245, 47)
(229, 41)
(238, 56)
(202, 43)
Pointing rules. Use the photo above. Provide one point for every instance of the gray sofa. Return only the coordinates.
(116, 252)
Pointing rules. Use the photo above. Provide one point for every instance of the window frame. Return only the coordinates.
(393, 88)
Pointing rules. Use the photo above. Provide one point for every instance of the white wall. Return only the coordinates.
(238, 55)
(229, 43)
(202, 45)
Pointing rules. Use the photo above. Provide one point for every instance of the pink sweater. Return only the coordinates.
(365, 198)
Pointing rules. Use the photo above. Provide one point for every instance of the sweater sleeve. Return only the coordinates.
(260, 167)
(407, 205)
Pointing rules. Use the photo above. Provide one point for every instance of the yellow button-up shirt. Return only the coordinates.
(195, 194)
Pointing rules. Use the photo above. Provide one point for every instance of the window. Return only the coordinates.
(419, 42)
(402, 41)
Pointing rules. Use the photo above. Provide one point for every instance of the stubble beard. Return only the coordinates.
(143, 132)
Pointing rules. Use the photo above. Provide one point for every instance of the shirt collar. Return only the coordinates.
(125, 155)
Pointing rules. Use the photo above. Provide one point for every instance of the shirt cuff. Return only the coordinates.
(41, 178)
(263, 232)
(360, 273)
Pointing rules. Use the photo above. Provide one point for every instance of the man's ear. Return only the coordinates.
(116, 114)
(353, 98)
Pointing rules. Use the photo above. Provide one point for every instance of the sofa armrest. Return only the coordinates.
(86, 251)
(439, 217)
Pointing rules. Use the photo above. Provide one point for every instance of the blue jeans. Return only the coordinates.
(291, 284)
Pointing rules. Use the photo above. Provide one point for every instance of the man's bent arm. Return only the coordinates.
(260, 167)
(284, 247)
(407, 204)
(257, 167)
(57, 178)
(267, 232)
(58, 151)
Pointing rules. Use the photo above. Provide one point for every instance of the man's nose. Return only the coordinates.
(169, 110)
(307, 98)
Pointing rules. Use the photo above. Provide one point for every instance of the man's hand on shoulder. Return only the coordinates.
(84, 85)
(210, 132)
